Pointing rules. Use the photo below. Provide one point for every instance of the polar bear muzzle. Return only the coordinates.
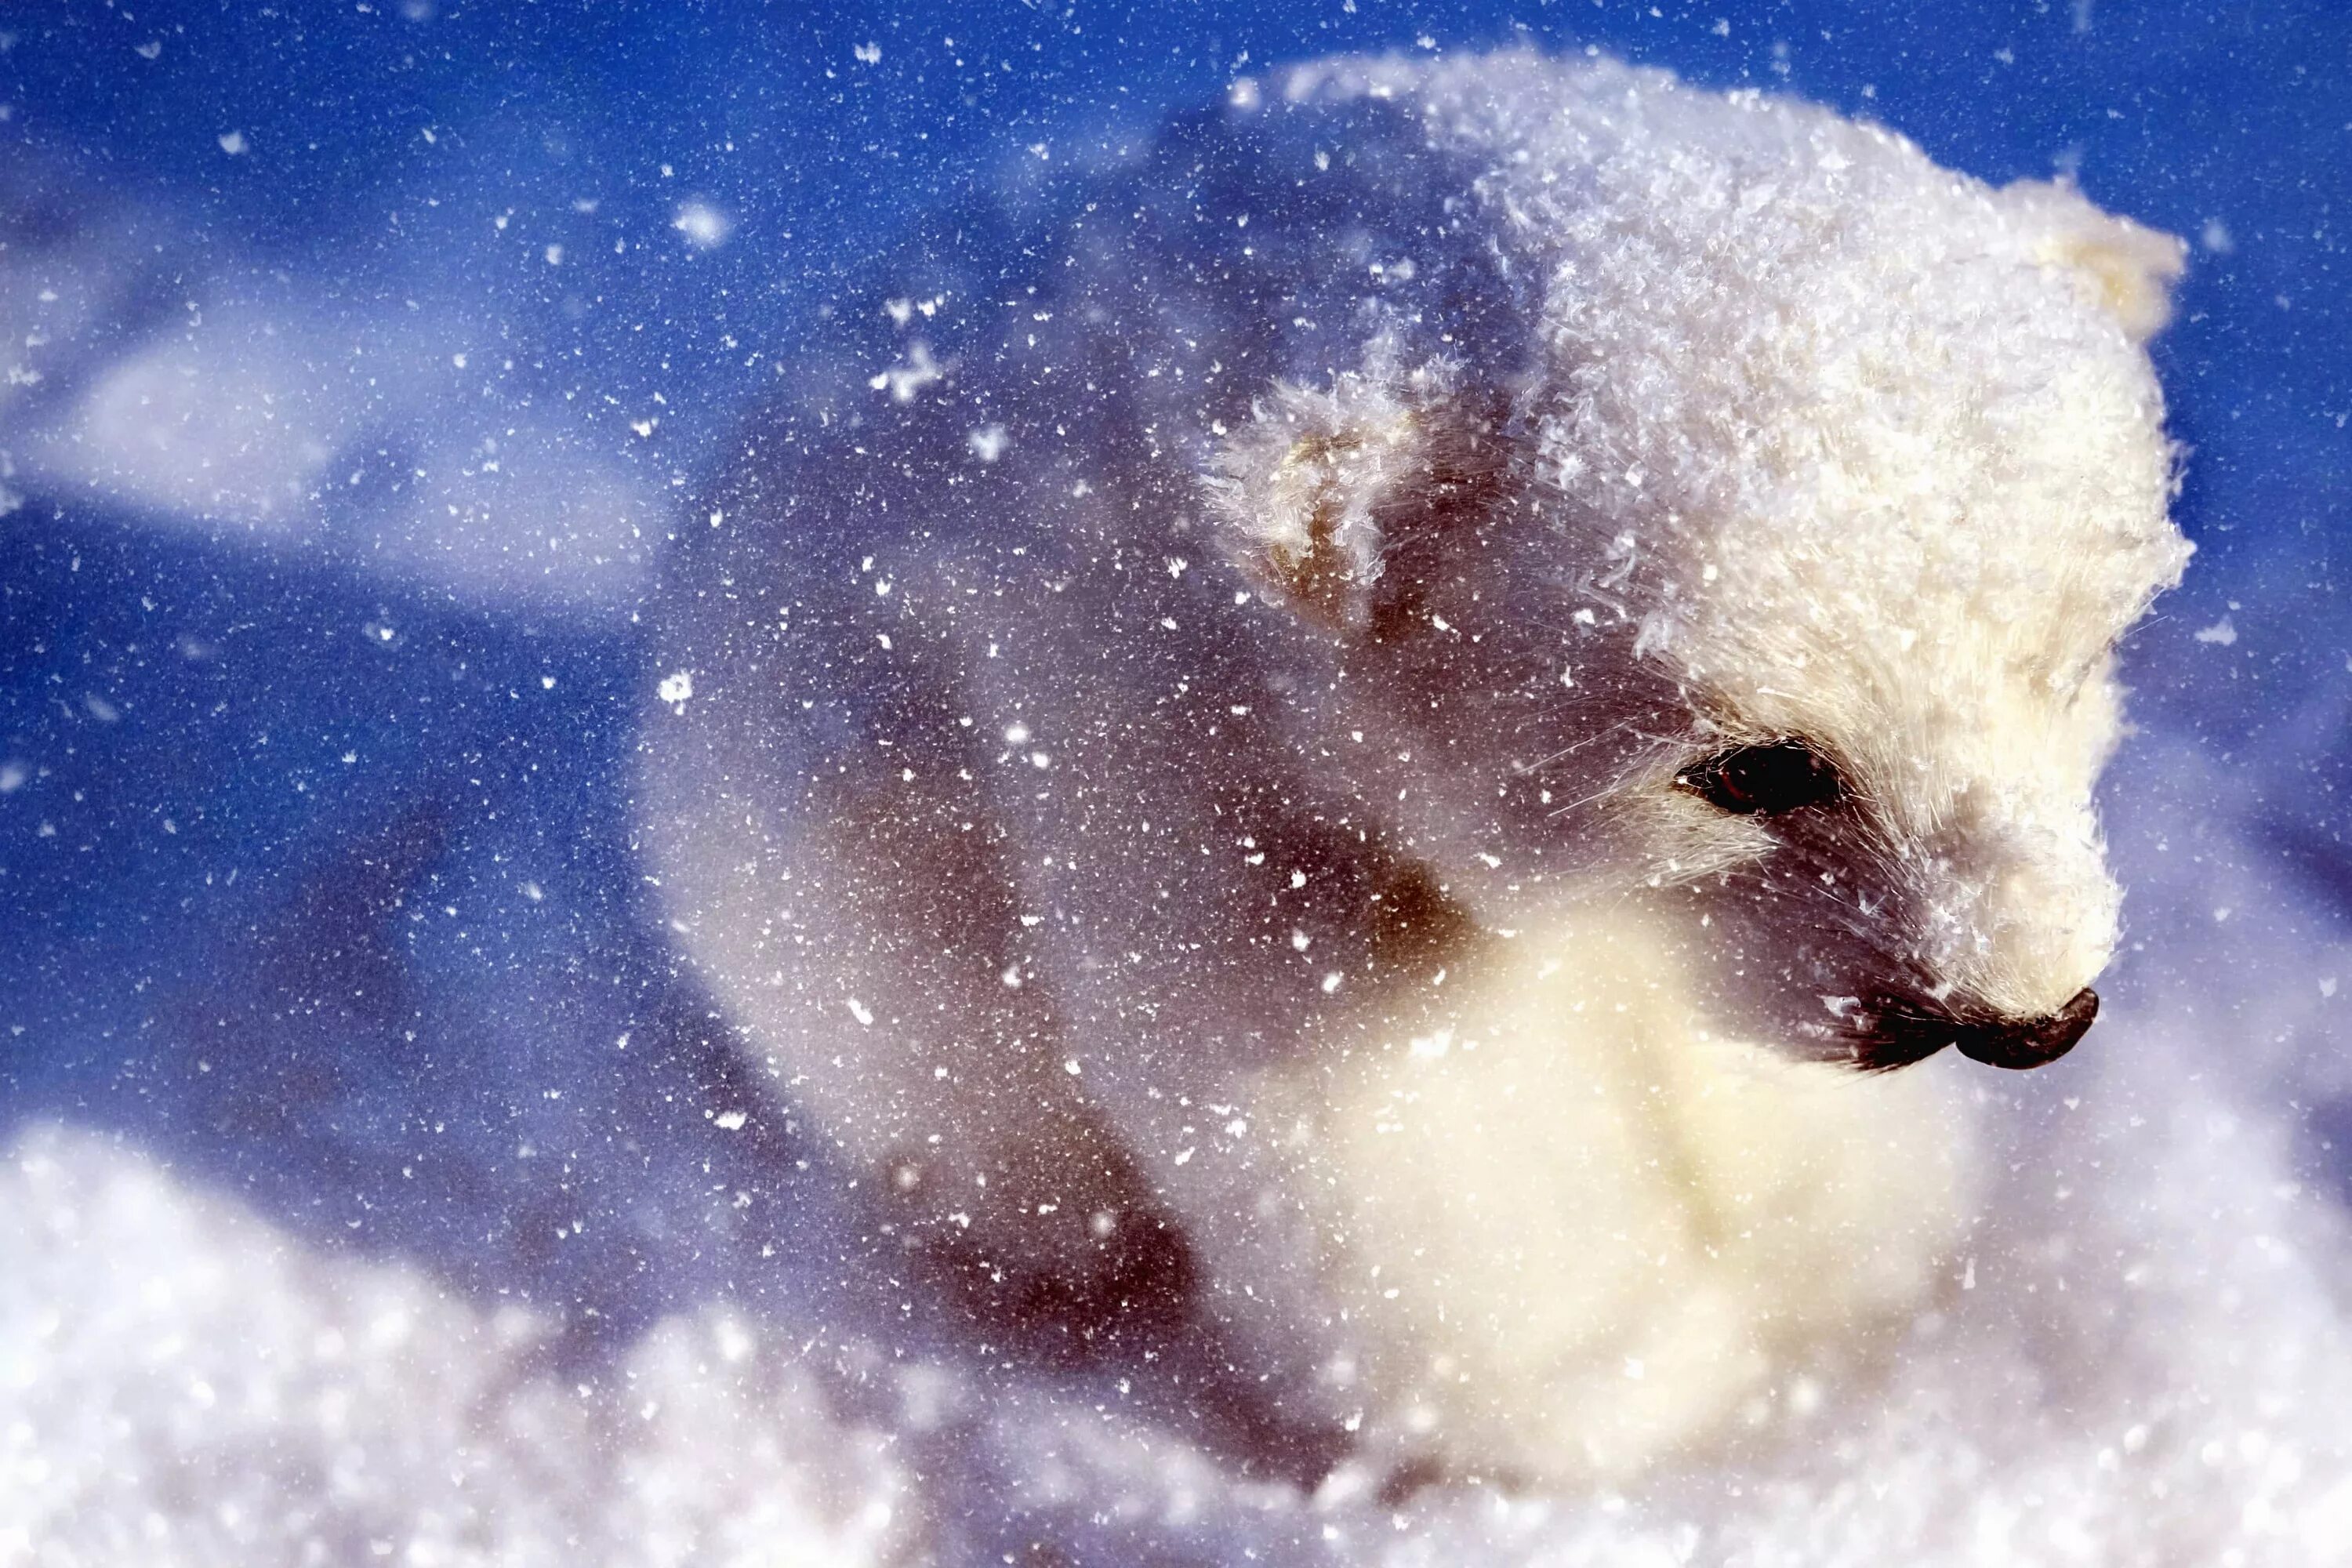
(1902, 1032)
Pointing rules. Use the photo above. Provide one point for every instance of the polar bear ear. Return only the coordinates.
(1307, 492)
(2127, 268)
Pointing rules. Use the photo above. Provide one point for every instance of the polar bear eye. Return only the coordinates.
(1765, 780)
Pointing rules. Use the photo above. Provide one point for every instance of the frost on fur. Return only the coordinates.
(2127, 269)
(1309, 488)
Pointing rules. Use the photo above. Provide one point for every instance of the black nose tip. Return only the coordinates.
(2035, 1042)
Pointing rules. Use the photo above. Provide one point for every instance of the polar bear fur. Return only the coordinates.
(1203, 636)
(1559, 1248)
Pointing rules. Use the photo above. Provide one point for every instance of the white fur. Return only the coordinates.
(1388, 495)
(1567, 1228)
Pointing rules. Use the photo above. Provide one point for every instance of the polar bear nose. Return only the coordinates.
(2032, 1042)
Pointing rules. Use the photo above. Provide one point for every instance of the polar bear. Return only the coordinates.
(1337, 726)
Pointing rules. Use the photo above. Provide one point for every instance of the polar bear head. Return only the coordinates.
(1779, 582)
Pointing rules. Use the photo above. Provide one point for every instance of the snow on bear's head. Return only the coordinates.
(1784, 571)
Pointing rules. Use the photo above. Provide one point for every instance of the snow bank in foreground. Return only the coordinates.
(2144, 1360)
(182, 1383)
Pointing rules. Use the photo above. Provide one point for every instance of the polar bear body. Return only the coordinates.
(1416, 525)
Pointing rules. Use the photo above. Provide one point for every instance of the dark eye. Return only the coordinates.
(1765, 780)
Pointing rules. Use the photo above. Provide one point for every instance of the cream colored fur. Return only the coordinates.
(1568, 1227)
